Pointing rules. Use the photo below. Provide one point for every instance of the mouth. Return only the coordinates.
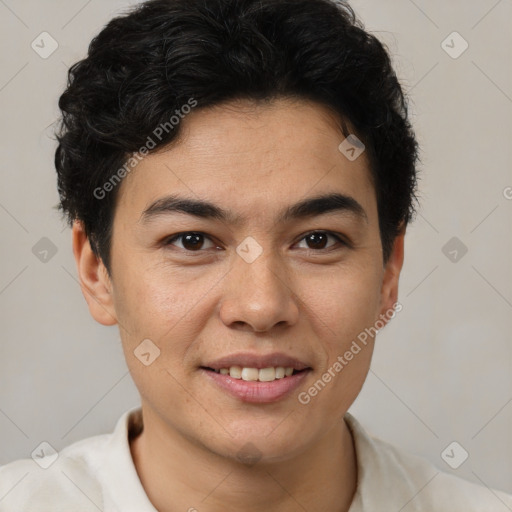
(247, 374)
(256, 379)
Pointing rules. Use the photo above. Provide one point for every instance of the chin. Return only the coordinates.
(268, 444)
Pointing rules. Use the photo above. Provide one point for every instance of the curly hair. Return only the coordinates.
(147, 63)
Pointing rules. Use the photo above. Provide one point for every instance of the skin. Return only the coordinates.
(197, 305)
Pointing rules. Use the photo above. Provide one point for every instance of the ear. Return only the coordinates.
(392, 269)
(94, 280)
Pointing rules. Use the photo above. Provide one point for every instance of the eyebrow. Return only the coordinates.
(307, 208)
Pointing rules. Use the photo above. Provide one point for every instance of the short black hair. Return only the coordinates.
(146, 64)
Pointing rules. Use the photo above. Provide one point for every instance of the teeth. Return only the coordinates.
(235, 372)
(267, 374)
(250, 374)
(253, 374)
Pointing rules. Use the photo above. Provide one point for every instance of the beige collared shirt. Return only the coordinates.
(98, 474)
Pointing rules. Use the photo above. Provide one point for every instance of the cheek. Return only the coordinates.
(348, 306)
(343, 304)
(157, 300)
(161, 308)
(169, 307)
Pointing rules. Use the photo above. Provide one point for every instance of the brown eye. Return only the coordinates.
(193, 241)
(318, 240)
(190, 241)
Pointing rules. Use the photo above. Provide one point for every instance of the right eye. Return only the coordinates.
(190, 241)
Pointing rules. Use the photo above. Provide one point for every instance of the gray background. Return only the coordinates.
(442, 370)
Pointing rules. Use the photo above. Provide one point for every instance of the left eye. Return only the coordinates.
(191, 241)
(319, 239)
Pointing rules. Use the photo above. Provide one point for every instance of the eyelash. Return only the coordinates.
(168, 241)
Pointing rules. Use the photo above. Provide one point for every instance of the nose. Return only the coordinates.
(258, 296)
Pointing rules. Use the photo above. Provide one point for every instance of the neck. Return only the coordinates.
(178, 474)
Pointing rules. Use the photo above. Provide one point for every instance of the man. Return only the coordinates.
(239, 175)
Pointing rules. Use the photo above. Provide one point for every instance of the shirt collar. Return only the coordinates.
(124, 491)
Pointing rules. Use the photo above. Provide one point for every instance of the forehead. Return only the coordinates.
(252, 158)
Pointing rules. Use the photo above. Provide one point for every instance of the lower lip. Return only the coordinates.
(255, 391)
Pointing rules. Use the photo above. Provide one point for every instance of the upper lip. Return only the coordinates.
(259, 361)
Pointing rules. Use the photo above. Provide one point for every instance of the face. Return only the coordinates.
(281, 268)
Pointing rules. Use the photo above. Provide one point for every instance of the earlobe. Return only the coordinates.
(389, 289)
(94, 281)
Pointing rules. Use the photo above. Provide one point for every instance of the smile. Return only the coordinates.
(249, 384)
(254, 374)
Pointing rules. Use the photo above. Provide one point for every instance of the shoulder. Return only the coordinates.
(391, 477)
(94, 474)
(55, 481)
